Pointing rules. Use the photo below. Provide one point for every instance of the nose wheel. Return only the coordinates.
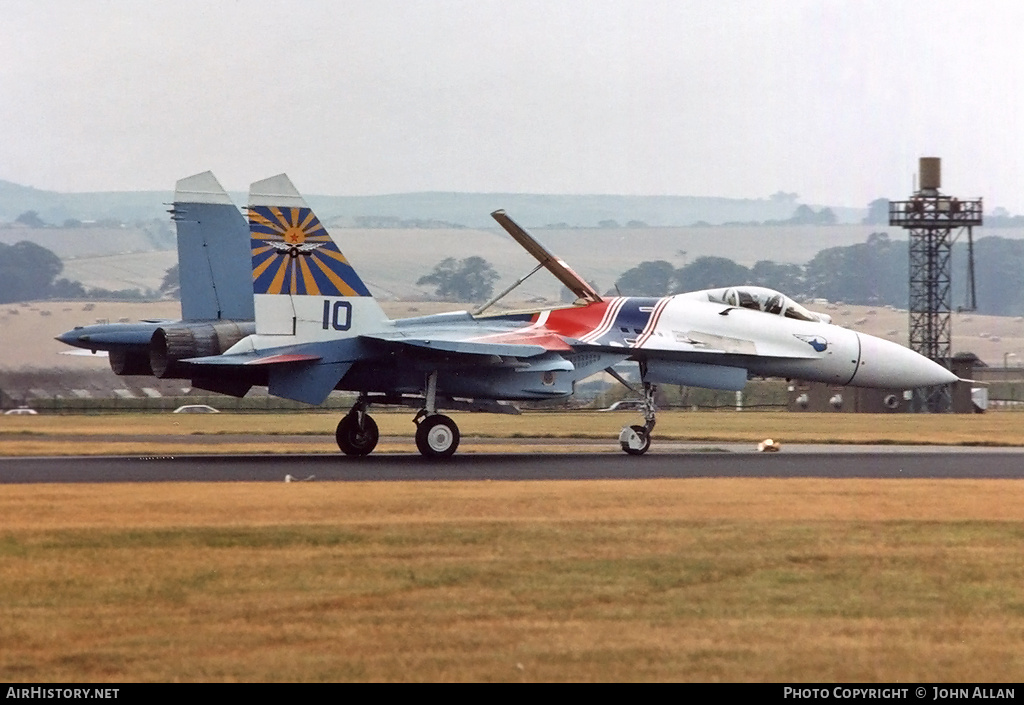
(636, 440)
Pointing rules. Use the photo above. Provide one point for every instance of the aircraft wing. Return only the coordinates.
(463, 347)
(253, 358)
(524, 343)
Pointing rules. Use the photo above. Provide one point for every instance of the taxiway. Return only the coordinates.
(671, 461)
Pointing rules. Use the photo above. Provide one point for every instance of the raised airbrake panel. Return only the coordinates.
(575, 283)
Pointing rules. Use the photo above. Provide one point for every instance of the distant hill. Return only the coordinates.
(70, 243)
(563, 211)
(55, 208)
(465, 209)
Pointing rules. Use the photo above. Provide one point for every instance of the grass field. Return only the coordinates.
(105, 434)
(698, 580)
(801, 580)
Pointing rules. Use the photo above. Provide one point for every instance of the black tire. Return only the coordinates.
(353, 440)
(437, 436)
(642, 432)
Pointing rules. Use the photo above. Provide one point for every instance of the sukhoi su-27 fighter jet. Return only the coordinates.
(318, 328)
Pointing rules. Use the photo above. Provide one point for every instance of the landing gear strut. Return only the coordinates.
(437, 436)
(636, 440)
(357, 432)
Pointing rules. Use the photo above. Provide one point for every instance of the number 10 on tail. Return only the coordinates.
(337, 315)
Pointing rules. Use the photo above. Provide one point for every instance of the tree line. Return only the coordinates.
(872, 273)
(30, 272)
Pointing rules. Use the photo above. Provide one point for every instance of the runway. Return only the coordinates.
(677, 460)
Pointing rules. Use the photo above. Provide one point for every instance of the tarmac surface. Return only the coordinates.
(600, 460)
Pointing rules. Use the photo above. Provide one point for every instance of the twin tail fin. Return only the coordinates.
(302, 284)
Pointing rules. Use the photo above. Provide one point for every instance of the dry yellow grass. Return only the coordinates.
(705, 579)
(20, 435)
(172, 505)
(732, 579)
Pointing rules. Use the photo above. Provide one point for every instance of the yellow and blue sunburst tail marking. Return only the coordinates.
(293, 254)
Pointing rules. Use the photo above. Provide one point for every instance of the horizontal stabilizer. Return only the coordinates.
(310, 384)
(232, 387)
(253, 358)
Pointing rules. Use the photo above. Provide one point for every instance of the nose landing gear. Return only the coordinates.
(636, 440)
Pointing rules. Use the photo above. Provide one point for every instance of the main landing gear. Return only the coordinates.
(437, 436)
(357, 432)
(636, 440)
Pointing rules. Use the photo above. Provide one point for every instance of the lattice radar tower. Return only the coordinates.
(933, 222)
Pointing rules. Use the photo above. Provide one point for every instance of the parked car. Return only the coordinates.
(21, 411)
(625, 405)
(196, 409)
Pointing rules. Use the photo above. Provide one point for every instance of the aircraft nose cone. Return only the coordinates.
(886, 364)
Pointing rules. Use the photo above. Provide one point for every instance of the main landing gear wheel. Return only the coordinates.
(437, 436)
(635, 440)
(353, 440)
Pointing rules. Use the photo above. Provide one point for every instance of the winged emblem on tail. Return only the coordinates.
(293, 250)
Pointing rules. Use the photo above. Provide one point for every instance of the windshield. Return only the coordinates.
(759, 298)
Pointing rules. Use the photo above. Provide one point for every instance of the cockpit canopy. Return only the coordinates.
(759, 298)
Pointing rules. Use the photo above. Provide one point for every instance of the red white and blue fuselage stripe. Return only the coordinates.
(617, 322)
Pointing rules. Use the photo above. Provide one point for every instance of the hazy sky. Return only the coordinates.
(834, 100)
